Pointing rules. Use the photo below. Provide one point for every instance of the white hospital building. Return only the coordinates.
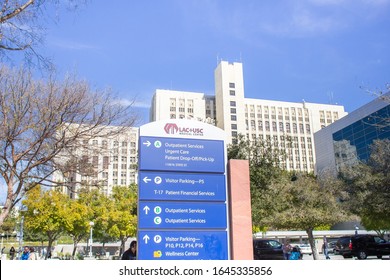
(229, 110)
(278, 121)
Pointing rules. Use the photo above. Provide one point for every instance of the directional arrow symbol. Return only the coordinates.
(146, 209)
(146, 239)
(147, 143)
(146, 180)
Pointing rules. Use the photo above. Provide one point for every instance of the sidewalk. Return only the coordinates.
(322, 257)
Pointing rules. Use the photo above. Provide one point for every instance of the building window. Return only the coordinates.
(301, 130)
(95, 161)
(233, 110)
(260, 126)
(105, 162)
(308, 128)
(233, 117)
(234, 126)
(232, 85)
(295, 128)
(233, 103)
(274, 128)
(267, 127)
(253, 125)
(281, 129)
(232, 93)
(288, 128)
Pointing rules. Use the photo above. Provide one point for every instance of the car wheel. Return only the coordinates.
(379, 257)
(362, 255)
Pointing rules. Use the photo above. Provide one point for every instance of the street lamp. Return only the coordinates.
(21, 235)
(91, 224)
(2, 236)
(356, 229)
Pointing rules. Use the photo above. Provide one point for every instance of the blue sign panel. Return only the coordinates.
(178, 154)
(181, 186)
(195, 215)
(183, 245)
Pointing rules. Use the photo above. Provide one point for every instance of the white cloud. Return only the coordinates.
(134, 103)
(71, 45)
(248, 20)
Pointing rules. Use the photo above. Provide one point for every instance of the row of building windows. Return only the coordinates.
(283, 127)
(292, 112)
(105, 143)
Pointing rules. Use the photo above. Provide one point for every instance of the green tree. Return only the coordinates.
(306, 204)
(99, 206)
(286, 200)
(123, 217)
(367, 186)
(10, 224)
(78, 222)
(47, 212)
(264, 157)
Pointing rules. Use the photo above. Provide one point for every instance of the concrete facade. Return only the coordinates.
(288, 125)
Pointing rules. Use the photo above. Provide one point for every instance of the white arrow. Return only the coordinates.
(146, 180)
(146, 239)
(147, 143)
(146, 209)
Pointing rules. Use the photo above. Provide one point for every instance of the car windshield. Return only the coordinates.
(379, 240)
(274, 244)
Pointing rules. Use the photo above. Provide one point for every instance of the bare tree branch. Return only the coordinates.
(44, 121)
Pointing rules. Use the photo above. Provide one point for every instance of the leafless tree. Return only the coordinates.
(43, 119)
(22, 25)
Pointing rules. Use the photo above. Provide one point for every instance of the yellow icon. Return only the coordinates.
(157, 254)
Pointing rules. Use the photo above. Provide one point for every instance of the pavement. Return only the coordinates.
(333, 257)
(307, 257)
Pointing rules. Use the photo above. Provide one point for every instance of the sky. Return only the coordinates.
(320, 51)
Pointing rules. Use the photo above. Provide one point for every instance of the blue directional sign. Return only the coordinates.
(179, 154)
(182, 215)
(181, 186)
(182, 192)
(184, 245)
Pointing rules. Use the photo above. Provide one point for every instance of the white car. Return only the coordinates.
(304, 248)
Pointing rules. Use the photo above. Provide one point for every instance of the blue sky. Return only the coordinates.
(322, 51)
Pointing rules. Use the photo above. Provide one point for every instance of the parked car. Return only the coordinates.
(267, 249)
(332, 247)
(303, 248)
(362, 245)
